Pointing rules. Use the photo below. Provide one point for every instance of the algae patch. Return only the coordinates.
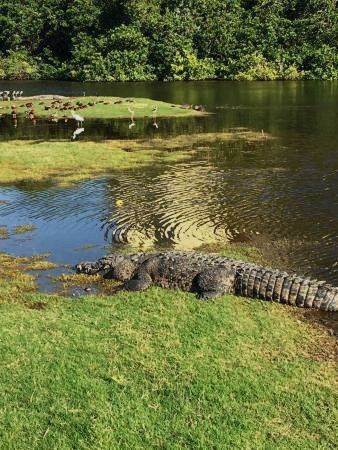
(4, 233)
(73, 284)
(21, 229)
(15, 279)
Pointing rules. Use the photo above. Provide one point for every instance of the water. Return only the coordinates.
(280, 194)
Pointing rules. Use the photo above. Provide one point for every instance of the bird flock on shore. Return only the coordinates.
(10, 95)
(64, 105)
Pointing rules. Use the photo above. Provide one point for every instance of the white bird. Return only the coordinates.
(77, 132)
(154, 110)
(132, 123)
(21, 92)
(78, 118)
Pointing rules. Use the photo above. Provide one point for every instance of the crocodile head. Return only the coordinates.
(115, 266)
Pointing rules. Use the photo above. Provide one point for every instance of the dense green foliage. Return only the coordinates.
(169, 40)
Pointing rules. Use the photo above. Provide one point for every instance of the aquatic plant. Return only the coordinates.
(20, 229)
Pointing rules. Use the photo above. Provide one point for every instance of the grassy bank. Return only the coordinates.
(65, 161)
(96, 107)
(159, 370)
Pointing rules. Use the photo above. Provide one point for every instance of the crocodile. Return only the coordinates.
(211, 276)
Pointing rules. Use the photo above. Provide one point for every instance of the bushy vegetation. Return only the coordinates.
(169, 40)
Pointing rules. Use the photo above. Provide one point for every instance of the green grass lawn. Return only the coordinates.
(159, 369)
(104, 107)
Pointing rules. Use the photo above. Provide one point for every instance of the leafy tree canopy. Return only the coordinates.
(169, 39)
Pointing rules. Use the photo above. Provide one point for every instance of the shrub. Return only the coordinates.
(188, 67)
(87, 63)
(127, 57)
(258, 69)
(18, 65)
(321, 63)
(292, 73)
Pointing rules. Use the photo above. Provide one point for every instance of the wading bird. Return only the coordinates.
(154, 111)
(132, 115)
(78, 118)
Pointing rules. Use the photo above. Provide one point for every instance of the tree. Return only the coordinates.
(17, 65)
(169, 39)
(127, 55)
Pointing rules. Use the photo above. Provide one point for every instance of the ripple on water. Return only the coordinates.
(282, 197)
(189, 204)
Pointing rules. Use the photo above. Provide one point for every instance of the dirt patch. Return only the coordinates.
(328, 320)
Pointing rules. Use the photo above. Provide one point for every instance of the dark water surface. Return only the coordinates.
(281, 192)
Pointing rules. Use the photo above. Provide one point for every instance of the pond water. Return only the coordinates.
(279, 193)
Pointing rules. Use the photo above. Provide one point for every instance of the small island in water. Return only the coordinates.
(95, 107)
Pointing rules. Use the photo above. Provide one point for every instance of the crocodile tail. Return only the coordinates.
(273, 285)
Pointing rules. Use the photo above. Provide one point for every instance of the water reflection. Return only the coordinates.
(60, 128)
(77, 132)
(154, 115)
(189, 204)
(132, 118)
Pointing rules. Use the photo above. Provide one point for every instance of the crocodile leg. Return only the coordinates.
(211, 283)
(140, 282)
